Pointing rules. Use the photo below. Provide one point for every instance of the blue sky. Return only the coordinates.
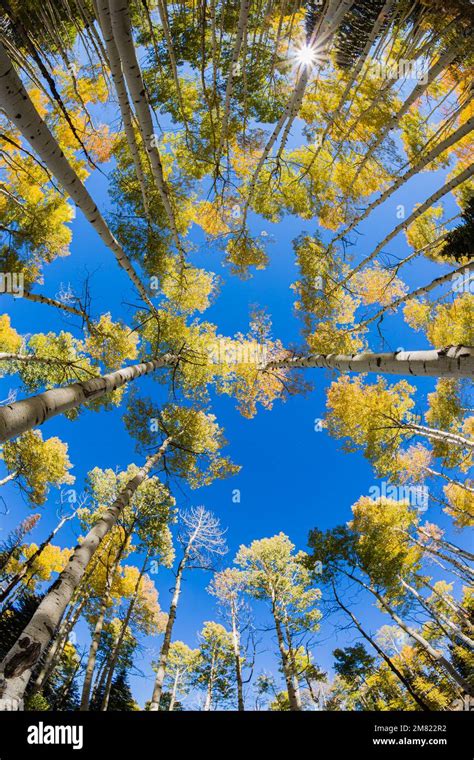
(292, 478)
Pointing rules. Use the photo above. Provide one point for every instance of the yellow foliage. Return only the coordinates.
(10, 340)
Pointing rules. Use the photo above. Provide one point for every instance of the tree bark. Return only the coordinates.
(403, 680)
(237, 659)
(20, 416)
(210, 686)
(454, 361)
(174, 692)
(116, 649)
(16, 668)
(160, 674)
(3, 482)
(103, 16)
(292, 695)
(20, 110)
(122, 32)
(26, 565)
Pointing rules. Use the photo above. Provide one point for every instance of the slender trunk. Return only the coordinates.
(29, 562)
(33, 359)
(3, 482)
(99, 625)
(210, 686)
(454, 361)
(20, 416)
(122, 32)
(241, 31)
(160, 674)
(237, 660)
(94, 646)
(441, 64)
(435, 654)
(418, 211)
(382, 654)
(163, 12)
(453, 482)
(292, 697)
(438, 617)
(16, 668)
(100, 678)
(450, 547)
(444, 436)
(465, 572)
(38, 298)
(19, 108)
(174, 692)
(103, 16)
(293, 666)
(116, 650)
(421, 291)
(442, 146)
(454, 606)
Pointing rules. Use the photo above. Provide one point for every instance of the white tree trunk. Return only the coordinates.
(122, 31)
(16, 668)
(459, 272)
(162, 665)
(20, 416)
(37, 298)
(103, 16)
(444, 190)
(174, 692)
(438, 617)
(442, 146)
(116, 650)
(241, 31)
(441, 64)
(455, 361)
(7, 479)
(19, 108)
(444, 436)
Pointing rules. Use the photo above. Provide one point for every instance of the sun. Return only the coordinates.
(306, 56)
